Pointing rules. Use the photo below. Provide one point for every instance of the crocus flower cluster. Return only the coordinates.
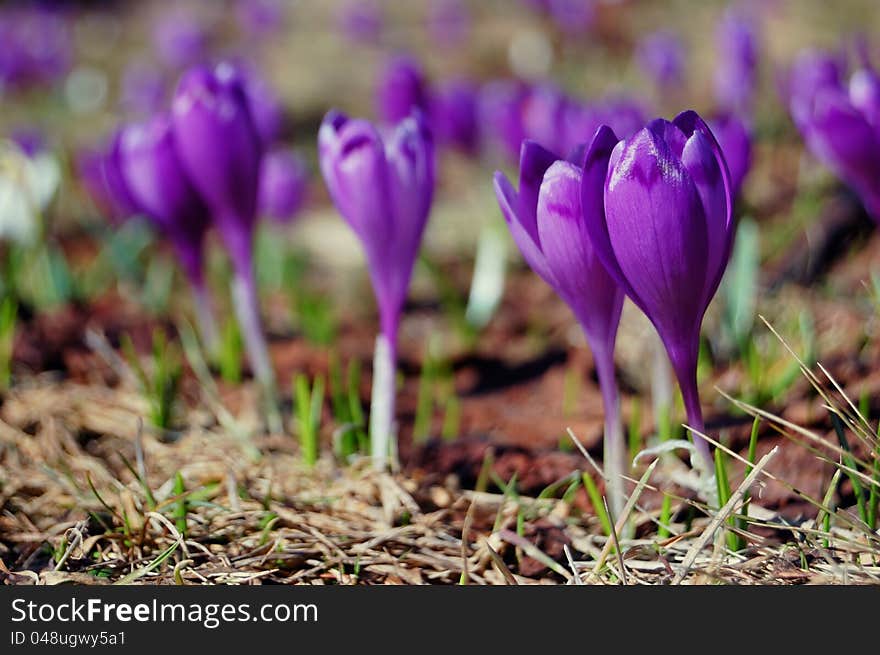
(649, 216)
(384, 189)
(840, 122)
(195, 166)
(37, 45)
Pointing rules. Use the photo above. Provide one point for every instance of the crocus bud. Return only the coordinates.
(544, 115)
(736, 70)
(401, 89)
(260, 18)
(547, 220)
(666, 235)
(662, 58)
(500, 117)
(159, 186)
(101, 176)
(811, 73)
(448, 22)
(735, 139)
(361, 20)
(841, 125)
(384, 190)
(283, 185)
(180, 38)
(143, 89)
(220, 150)
(264, 105)
(453, 114)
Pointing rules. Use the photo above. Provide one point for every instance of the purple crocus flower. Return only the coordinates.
(841, 125)
(544, 114)
(500, 117)
(662, 58)
(623, 115)
(361, 20)
(401, 88)
(736, 70)
(160, 188)
(180, 37)
(574, 17)
(143, 88)
(283, 184)
(811, 72)
(448, 22)
(266, 108)
(547, 219)
(260, 18)
(37, 45)
(734, 137)
(383, 189)
(666, 236)
(101, 174)
(221, 152)
(453, 114)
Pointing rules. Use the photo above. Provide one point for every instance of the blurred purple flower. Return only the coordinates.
(736, 70)
(666, 235)
(101, 174)
(623, 115)
(31, 140)
(284, 179)
(734, 137)
(574, 17)
(544, 116)
(401, 88)
(180, 37)
(547, 220)
(384, 190)
(161, 190)
(266, 109)
(453, 114)
(220, 149)
(361, 20)
(812, 72)
(841, 125)
(500, 117)
(143, 88)
(448, 22)
(662, 58)
(260, 18)
(37, 45)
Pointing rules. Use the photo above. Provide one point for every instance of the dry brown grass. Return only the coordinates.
(74, 509)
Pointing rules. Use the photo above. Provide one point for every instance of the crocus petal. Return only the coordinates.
(534, 160)
(720, 222)
(670, 133)
(657, 229)
(528, 245)
(581, 279)
(360, 176)
(410, 157)
(864, 93)
(218, 142)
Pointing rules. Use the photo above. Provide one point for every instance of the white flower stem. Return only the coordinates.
(247, 311)
(614, 456)
(205, 318)
(382, 402)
